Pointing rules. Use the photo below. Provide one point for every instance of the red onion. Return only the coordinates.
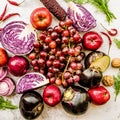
(81, 17)
(31, 81)
(18, 65)
(18, 38)
(3, 73)
(7, 87)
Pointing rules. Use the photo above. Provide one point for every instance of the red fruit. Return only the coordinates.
(92, 40)
(52, 95)
(56, 63)
(99, 95)
(3, 57)
(41, 18)
(52, 44)
(32, 56)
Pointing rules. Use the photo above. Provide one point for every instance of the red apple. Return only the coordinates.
(52, 95)
(92, 40)
(41, 18)
(3, 57)
(99, 95)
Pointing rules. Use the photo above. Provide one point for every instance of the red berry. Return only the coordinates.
(52, 44)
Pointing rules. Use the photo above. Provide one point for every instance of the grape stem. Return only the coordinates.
(66, 67)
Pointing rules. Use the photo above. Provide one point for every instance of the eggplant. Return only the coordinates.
(75, 100)
(31, 105)
(90, 77)
(92, 56)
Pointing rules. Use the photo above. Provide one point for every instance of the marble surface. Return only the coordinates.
(108, 111)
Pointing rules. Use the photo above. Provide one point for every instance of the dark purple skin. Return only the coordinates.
(77, 102)
(31, 105)
(90, 78)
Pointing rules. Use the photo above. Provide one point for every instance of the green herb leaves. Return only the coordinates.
(78, 1)
(117, 42)
(101, 5)
(6, 104)
(117, 84)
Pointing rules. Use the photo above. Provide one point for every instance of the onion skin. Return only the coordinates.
(18, 65)
(3, 73)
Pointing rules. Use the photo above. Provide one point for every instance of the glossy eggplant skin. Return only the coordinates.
(75, 100)
(92, 56)
(31, 105)
(90, 77)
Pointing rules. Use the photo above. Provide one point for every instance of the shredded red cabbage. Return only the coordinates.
(16, 38)
(81, 17)
(30, 81)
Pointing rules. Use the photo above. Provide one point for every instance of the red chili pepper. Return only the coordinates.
(3, 13)
(15, 3)
(110, 41)
(10, 15)
(112, 32)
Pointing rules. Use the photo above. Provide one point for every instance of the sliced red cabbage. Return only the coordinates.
(31, 81)
(81, 17)
(18, 37)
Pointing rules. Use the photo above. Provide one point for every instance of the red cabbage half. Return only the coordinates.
(31, 81)
(81, 17)
(18, 37)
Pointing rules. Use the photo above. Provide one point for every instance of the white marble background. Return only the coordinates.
(108, 111)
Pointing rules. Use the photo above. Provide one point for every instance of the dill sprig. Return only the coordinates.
(6, 104)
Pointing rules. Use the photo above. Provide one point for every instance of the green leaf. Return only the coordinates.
(78, 1)
(117, 42)
(117, 84)
(6, 104)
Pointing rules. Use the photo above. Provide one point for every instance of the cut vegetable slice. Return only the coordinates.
(102, 63)
(7, 87)
(31, 81)
(18, 37)
(81, 17)
(3, 73)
